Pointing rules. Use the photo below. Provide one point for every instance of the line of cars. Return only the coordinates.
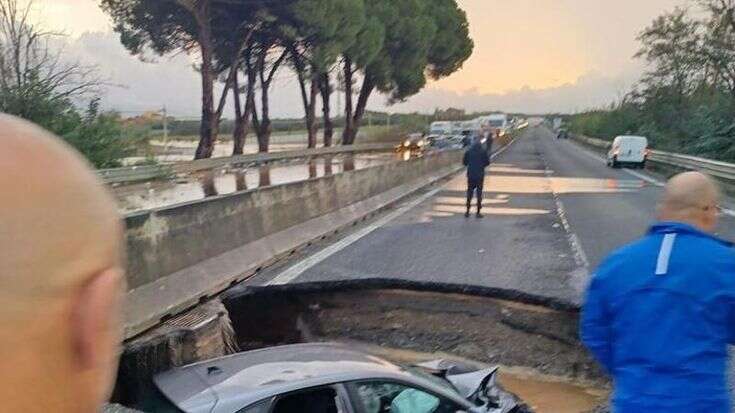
(457, 134)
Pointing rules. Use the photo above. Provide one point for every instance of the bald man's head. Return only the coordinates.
(61, 276)
(692, 198)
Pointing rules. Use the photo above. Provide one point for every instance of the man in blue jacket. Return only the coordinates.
(660, 312)
(476, 159)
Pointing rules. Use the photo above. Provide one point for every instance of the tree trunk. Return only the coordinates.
(311, 124)
(368, 85)
(308, 98)
(208, 127)
(326, 92)
(349, 125)
(241, 120)
(265, 128)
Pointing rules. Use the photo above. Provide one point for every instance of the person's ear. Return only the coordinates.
(96, 324)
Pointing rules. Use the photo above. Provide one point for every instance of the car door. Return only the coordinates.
(384, 396)
(321, 399)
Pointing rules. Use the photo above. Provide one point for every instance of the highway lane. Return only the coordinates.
(553, 211)
(521, 244)
(605, 220)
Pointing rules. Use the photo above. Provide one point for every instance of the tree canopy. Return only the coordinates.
(392, 46)
(686, 99)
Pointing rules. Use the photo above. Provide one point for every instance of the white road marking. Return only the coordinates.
(580, 257)
(299, 268)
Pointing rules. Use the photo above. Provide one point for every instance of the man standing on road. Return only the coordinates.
(61, 276)
(660, 313)
(476, 159)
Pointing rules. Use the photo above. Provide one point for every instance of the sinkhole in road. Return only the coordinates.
(542, 360)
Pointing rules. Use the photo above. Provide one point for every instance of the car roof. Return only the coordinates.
(230, 383)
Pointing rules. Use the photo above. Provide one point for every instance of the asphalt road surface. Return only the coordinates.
(553, 212)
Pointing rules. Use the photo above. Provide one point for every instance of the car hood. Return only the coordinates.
(478, 386)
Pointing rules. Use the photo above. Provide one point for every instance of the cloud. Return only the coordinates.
(592, 90)
(173, 82)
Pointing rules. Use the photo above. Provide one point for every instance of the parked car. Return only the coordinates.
(628, 151)
(330, 378)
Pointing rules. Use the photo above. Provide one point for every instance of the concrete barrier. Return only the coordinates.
(181, 255)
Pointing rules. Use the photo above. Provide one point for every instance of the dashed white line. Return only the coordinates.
(299, 268)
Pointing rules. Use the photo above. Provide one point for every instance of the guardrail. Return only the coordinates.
(149, 172)
(718, 169)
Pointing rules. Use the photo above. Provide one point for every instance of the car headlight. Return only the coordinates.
(407, 144)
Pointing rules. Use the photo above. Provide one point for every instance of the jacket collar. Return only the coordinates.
(671, 227)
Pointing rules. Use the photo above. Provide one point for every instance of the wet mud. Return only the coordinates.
(543, 361)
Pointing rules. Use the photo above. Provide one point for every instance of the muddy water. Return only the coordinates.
(549, 394)
(543, 393)
(150, 195)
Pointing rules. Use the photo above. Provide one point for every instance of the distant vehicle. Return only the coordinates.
(628, 150)
(470, 127)
(499, 123)
(330, 378)
(441, 129)
(413, 142)
(562, 134)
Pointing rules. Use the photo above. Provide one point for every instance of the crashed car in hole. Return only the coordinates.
(329, 378)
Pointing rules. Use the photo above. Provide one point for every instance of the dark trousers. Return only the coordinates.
(474, 186)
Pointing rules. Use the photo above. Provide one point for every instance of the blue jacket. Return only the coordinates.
(659, 315)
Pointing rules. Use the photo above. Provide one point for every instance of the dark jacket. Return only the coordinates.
(659, 316)
(476, 160)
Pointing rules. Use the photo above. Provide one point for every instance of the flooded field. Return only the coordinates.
(190, 187)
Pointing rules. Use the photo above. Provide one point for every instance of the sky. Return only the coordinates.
(530, 56)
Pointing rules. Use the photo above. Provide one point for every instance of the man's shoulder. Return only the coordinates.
(709, 252)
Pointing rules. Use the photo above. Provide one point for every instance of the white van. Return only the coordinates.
(628, 150)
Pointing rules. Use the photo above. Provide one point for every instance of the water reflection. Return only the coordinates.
(208, 186)
(241, 182)
(349, 163)
(238, 178)
(328, 160)
(264, 175)
(508, 189)
(312, 168)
